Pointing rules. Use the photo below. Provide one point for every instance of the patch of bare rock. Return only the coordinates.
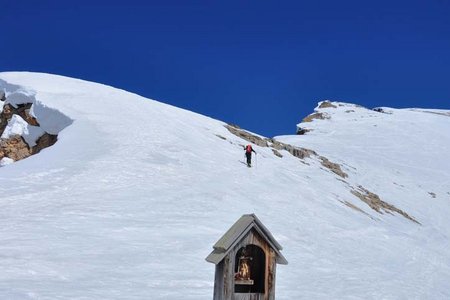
(380, 206)
(333, 167)
(316, 115)
(327, 104)
(14, 148)
(319, 115)
(234, 129)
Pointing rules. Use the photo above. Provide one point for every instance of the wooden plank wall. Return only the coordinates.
(224, 286)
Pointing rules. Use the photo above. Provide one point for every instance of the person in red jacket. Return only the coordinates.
(248, 153)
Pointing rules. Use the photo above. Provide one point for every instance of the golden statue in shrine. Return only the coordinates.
(243, 275)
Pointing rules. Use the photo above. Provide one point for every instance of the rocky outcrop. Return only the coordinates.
(333, 167)
(377, 204)
(295, 151)
(14, 147)
(46, 140)
(327, 104)
(234, 129)
(316, 115)
(22, 110)
(277, 153)
(272, 143)
(5, 116)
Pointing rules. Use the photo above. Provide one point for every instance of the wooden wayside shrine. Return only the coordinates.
(245, 258)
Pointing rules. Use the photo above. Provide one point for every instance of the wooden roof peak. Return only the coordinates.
(237, 232)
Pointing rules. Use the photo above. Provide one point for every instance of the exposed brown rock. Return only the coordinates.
(5, 115)
(23, 110)
(25, 114)
(277, 153)
(377, 204)
(295, 151)
(46, 140)
(14, 148)
(277, 145)
(433, 195)
(326, 104)
(333, 167)
(264, 142)
(316, 115)
(246, 135)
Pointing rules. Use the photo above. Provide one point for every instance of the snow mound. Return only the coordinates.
(19, 96)
(6, 161)
(51, 120)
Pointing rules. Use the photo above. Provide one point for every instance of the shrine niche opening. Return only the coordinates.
(249, 270)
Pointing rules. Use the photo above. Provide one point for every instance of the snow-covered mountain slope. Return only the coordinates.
(129, 201)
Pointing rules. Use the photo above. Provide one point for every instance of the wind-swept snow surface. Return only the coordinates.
(129, 201)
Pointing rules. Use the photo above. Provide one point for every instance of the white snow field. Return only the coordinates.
(130, 200)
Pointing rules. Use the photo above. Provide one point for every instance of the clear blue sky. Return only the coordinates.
(260, 64)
